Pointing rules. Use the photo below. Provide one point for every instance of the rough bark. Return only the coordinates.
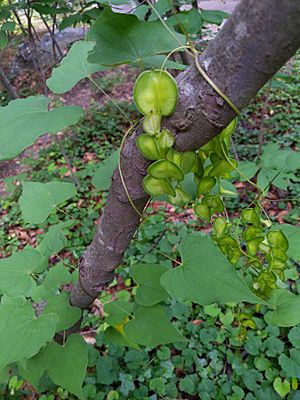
(8, 86)
(255, 42)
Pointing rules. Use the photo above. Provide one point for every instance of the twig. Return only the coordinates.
(68, 162)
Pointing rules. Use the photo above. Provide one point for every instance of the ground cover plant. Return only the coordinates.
(205, 303)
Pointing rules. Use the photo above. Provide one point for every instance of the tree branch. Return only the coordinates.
(255, 42)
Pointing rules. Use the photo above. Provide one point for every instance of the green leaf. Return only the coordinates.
(158, 61)
(22, 121)
(60, 306)
(39, 199)
(286, 308)
(8, 26)
(55, 239)
(57, 275)
(118, 312)
(21, 333)
(16, 270)
(206, 276)
(214, 16)
(290, 365)
(103, 174)
(55, 278)
(151, 327)
(294, 336)
(66, 365)
(73, 67)
(248, 170)
(147, 276)
(293, 235)
(191, 21)
(123, 39)
(70, 20)
(282, 387)
(33, 369)
(107, 370)
(3, 42)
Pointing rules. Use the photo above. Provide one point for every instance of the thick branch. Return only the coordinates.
(258, 39)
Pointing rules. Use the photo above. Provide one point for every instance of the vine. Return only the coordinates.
(263, 248)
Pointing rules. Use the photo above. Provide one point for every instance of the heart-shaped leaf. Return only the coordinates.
(27, 334)
(282, 387)
(22, 121)
(39, 199)
(147, 276)
(206, 276)
(122, 38)
(151, 327)
(73, 67)
(16, 270)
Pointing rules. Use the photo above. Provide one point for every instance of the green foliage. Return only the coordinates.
(151, 327)
(205, 275)
(27, 334)
(66, 365)
(147, 276)
(123, 39)
(39, 199)
(32, 118)
(275, 166)
(70, 71)
(103, 174)
(16, 272)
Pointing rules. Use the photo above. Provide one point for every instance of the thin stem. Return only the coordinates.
(239, 171)
(262, 126)
(172, 52)
(68, 162)
(166, 26)
(122, 177)
(214, 86)
(110, 98)
(69, 215)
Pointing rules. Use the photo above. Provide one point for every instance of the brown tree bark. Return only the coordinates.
(8, 86)
(257, 40)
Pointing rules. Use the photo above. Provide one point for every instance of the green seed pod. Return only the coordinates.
(203, 211)
(220, 227)
(223, 168)
(279, 254)
(188, 160)
(148, 147)
(207, 170)
(175, 157)
(165, 141)
(205, 185)
(181, 198)
(151, 124)
(278, 240)
(250, 216)
(157, 187)
(198, 167)
(165, 169)
(215, 203)
(252, 232)
(253, 245)
(155, 92)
